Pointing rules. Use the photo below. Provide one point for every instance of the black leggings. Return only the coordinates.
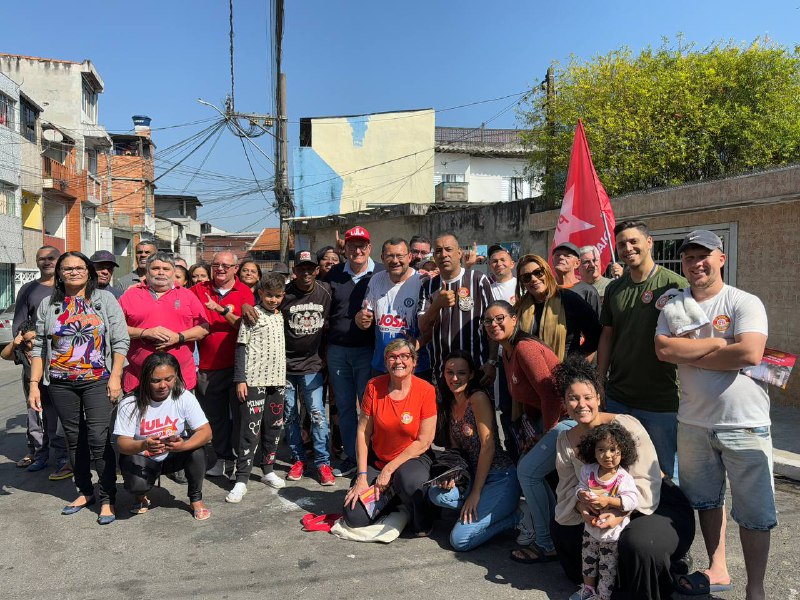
(140, 472)
(85, 412)
(407, 483)
(646, 547)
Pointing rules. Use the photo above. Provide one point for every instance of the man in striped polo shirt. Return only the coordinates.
(450, 309)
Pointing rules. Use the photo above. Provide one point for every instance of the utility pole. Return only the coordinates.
(283, 195)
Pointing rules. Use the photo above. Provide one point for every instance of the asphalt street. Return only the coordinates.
(257, 549)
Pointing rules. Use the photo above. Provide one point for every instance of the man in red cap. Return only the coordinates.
(350, 348)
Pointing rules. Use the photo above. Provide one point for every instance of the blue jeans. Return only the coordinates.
(533, 467)
(310, 386)
(662, 427)
(496, 507)
(349, 370)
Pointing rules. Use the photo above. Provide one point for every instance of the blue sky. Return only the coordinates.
(345, 57)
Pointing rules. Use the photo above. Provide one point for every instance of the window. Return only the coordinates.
(27, 121)
(88, 230)
(6, 111)
(667, 241)
(89, 103)
(516, 188)
(8, 199)
(453, 178)
(91, 162)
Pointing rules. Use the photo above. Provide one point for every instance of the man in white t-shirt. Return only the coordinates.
(391, 303)
(723, 416)
(504, 284)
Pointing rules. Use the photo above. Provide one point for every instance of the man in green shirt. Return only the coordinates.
(638, 383)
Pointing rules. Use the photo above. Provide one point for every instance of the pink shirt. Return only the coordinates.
(177, 310)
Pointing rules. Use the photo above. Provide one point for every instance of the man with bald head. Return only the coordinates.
(144, 250)
(222, 296)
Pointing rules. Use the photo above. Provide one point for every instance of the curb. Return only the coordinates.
(786, 464)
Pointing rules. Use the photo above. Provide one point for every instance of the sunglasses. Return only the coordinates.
(528, 277)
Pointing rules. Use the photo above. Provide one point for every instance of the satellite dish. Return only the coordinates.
(52, 135)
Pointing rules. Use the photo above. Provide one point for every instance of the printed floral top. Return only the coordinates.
(464, 432)
(78, 343)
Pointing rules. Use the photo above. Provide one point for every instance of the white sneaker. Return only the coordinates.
(218, 470)
(237, 493)
(273, 480)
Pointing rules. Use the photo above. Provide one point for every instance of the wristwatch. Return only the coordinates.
(225, 311)
(492, 361)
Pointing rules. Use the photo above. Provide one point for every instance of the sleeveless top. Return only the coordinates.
(464, 432)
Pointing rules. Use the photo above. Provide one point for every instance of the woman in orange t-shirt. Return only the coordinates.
(395, 432)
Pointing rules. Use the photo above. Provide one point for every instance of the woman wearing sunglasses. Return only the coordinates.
(529, 365)
(561, 318)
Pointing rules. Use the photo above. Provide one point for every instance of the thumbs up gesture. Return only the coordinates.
(445, 298)
(365, 316)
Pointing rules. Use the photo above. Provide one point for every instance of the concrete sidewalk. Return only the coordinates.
(786, 440)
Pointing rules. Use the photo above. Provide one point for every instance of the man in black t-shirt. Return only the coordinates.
(305, 308)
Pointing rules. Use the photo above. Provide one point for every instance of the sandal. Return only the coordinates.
(25, 462)
(699, 585)
(532, 554)
(201, 514)
(141, 507)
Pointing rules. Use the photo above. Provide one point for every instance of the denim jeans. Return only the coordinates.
(532, 469)
(349, 369)
(496, 507)
(662, 427)
(310, 388)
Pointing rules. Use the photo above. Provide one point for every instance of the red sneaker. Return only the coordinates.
(296, 472)
(326, 475)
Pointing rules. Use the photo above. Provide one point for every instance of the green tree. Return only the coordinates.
(668, 116)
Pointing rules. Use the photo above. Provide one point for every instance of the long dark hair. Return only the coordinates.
(151, 363)
(615, 431)
(518, 334)
(59, 293)
(448, 398)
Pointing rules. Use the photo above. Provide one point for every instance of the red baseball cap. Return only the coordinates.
(355, 233)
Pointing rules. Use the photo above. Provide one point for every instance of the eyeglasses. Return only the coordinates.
(74, 269)
(487, 322)
(405, 357)
(528, 277)
(419, 252)
(224, 267)
(394, 256)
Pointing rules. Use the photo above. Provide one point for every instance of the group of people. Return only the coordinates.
(453, 389)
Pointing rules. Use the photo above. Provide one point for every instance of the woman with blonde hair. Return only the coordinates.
(559, 317)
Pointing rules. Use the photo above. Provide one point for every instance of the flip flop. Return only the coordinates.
(312, 522)
(699, 585)
(25, 462)
(139, 508)
(201, 514)
(539, 555)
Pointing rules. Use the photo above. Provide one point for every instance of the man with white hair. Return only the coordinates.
(590, 269)
(223, 296)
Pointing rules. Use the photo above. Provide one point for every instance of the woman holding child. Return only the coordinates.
(662, 525)
(395, 432)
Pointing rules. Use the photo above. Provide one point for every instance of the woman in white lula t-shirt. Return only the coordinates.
(151, 427)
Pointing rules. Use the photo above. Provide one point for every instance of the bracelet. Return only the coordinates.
(34, 381)
(181, 338)
(362, 473)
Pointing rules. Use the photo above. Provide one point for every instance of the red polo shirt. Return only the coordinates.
(218, 347)
(177, 310)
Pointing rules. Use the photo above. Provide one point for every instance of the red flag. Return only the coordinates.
(586, 215)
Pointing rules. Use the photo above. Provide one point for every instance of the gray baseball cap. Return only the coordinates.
(701, 237)
(568, 246)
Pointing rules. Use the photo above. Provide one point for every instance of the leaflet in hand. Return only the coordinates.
(775, 368)
(373, 506)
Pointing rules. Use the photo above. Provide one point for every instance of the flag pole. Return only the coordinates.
(608, 236)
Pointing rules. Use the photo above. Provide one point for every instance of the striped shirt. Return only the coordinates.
(459, 327)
